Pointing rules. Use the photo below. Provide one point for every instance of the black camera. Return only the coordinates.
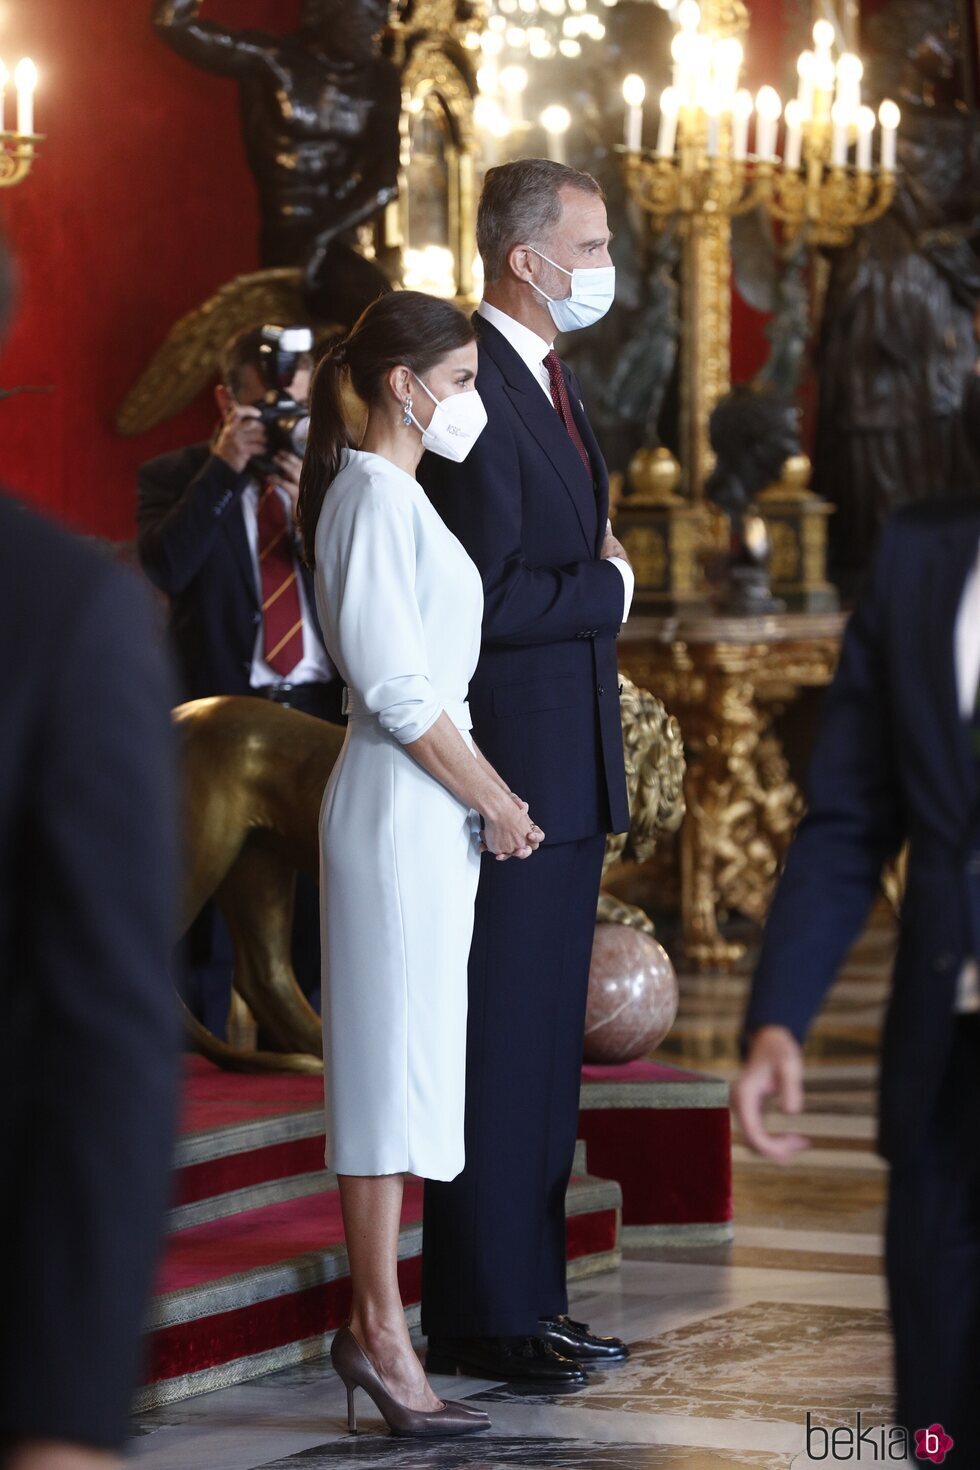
(286, 422)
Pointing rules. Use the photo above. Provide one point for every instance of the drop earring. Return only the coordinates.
(407, 415)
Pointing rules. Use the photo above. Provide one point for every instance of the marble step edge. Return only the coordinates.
(241, 1370)
(251, 1197)
(223, 1204)
(640, 1237)
(305, 1350)
(704, 1091)
(315, 1268)
(208, 1144)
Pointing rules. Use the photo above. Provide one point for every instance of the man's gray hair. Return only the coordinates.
(521, 203)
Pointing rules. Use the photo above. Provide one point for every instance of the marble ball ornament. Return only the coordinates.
(632, 995)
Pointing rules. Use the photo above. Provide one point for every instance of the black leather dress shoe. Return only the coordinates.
(574, 1340)
(509, 1359)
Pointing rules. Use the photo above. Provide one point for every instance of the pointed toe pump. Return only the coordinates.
(355, 1370)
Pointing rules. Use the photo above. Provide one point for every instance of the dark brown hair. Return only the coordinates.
(400, 329)
(520, 205)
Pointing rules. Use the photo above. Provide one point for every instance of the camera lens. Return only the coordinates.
(298, 432)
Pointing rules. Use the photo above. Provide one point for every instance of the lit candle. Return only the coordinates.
(4, 79)
(805, 68)
(699, 79)
(849, 73)
(556, 121)
(794, 134)
(667, 134)
(678, 55)
(634, 91)
(889, 117)
(712, 108)
(726, 62)
(824, 77)
(513, 83)
(741, 112)
(840, 116)
(865, 127)
(768, 107)
(25, 80)
(824, 36)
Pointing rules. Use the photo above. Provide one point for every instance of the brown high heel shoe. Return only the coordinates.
(355, 1370)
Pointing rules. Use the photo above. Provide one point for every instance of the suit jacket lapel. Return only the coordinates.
(957, 555)
(544, 423)
(233, 526)
(595, 455)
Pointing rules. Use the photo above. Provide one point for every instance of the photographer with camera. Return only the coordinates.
(216, 532)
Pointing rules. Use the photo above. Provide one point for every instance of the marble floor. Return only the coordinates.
(732, 1346)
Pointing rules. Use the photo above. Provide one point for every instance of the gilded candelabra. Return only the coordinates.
(18, 147)
(702, 173)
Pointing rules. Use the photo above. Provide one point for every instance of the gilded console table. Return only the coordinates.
(723, 678)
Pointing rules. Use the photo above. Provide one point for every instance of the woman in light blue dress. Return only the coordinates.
(400, 603)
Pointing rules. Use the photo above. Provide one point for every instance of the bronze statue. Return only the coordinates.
(897, 342)
(753, 431)
(320, 121)
(253, 779)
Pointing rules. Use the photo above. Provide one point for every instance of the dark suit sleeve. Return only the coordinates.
(854, 822)
(177, 519)
(481, 500)
(101, 1119)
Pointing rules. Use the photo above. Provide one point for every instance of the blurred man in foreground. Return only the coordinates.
(898, 760)
(88, 1028)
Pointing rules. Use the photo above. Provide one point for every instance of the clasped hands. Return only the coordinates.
(509, 831)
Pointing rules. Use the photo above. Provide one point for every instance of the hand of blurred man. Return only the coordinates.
(773, 1068)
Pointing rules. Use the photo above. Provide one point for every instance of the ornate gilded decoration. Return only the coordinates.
(188, 359)
(797, 522)
(720, 677)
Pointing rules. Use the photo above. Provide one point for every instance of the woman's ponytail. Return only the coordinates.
(328, 439)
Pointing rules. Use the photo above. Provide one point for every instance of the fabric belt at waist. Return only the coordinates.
(458, 710)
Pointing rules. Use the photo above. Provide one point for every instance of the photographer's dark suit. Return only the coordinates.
(193, 546)
(897, 761)
(545, 707)
(89, 1034)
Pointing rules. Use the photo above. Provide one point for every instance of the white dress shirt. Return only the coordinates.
(314, 667)
(532, 350)
(967, 650)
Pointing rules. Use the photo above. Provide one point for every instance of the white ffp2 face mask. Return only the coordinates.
(456, 424)
(593, 292)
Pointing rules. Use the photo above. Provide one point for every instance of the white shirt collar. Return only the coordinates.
(968, 641)
(530, 348)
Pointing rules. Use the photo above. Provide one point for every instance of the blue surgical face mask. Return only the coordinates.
(593, 292)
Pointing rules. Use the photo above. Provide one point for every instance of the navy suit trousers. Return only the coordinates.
(494, 1251)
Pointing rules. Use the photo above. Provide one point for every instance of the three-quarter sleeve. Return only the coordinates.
(380, 637)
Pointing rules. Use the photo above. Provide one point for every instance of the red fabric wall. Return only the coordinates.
(139, 206)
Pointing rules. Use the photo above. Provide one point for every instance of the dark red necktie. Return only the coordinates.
(559, 397)
(282, 642)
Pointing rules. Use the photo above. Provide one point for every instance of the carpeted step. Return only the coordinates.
(243, 1294)
(665, 1134)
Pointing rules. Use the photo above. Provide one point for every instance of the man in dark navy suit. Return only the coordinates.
(898, 760)
(530, 505)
